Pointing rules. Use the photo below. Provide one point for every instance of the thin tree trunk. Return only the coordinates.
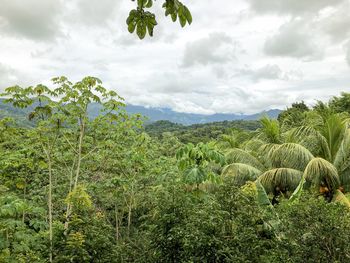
(129, 219)
(70, 190)
(50, 204)
(81, 136)
(77, 172)
(24, 198)
(130, 205)
(116, 223)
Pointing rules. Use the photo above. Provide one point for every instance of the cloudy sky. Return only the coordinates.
(239, 56)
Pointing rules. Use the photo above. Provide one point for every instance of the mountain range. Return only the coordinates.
(156, 114)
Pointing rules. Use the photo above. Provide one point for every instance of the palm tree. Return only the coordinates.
(317, 153)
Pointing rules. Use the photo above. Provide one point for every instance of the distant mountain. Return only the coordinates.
(155, 114)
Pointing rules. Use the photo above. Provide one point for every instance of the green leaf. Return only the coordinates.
(149, 4)
(188, 15)
(141, 30)
(140, 3)
(341, 198)
(131, 27)
(262, 197)
(150, 29)
(322, 173)
(297, 192)
(241, 173)
(182, 20)
(280, 180)
(173, 17)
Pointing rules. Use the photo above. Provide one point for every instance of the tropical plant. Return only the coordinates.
(144, 21)
(194, 161)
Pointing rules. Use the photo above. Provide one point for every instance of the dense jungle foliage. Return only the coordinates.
(75, 189)
(197, 133)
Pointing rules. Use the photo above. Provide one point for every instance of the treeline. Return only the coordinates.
(75, 189)
(199, 132)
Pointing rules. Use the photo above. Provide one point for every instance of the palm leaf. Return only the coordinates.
(290, 155)
(262, 197)
(297, 192)
(341, 198)
(312, 139)
(333, 131)
(237, 155)
(270, 130)
(252, 145)
(240, 173)
(342, 160)
(280, 180)
(320, 172)
(264, 151)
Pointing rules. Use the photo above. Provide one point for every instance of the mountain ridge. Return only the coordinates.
(157, 114)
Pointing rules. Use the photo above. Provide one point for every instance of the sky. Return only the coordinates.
(241, 56)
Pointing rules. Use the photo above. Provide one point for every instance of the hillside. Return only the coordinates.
(196, 133)
(153, 114)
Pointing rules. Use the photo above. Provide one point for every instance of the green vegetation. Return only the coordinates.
(109, 189)
(197, 133)
(142, 20)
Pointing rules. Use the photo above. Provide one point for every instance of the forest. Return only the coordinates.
(107, 189)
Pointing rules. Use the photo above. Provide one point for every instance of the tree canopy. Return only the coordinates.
(77, 188)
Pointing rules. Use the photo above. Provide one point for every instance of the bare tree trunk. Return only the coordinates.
(129, 219)
(116, 223)
(24, 198)
(80, 145)
(68, 205)
(77, 172)
(49, 203)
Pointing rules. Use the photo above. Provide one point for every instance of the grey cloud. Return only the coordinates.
(35, 19)
(6, 74)
(10, 76)
(347, 47)
(294, 7)
(95, 12)
(294, 39)
(216, 48)
(270, 72)
(177, 83)
(265, 72)
(220, 72)
(337, 24)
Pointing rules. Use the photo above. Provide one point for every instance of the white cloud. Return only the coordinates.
(294, 7)
(237, 56)
(35, 19)
(294, 39)
(337, 23)
(215, 49)
(347, 47)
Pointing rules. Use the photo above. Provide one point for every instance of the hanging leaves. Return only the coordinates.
(143, 21)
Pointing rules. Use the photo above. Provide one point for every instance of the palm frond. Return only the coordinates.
(312, 139)
(240, 173)
(333, 130)
(290, 155)
(320, 172)
(342, 160)
(263, 153)
(237, 155)
(297, 192)
(270, 131)
(280, 180)
(252, 145)
(262, 197)
(341, 198)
